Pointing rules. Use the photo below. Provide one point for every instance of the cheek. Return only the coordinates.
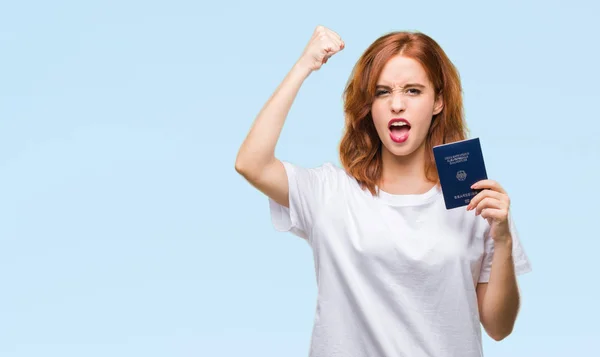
(422, 111)
(379, 114)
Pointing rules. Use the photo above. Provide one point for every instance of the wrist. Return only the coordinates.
(503, 243)
(301, 69)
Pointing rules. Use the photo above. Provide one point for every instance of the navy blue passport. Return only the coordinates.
(460, 164)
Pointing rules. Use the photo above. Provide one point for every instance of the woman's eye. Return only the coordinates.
(410, 91)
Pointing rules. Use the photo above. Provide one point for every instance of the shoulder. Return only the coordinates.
(337, 176)
(331, 168)
(326, 179)
(334, 170)
(326, 172)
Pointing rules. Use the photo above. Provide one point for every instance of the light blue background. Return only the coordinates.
(125, 230)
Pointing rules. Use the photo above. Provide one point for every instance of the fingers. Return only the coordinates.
(323, 45)
(323, 30)
(481, 195)
(335, 44)
(489, 203)
(328, 37)
(489, 198)
(337, 38)
(489, 184)
(494, 214)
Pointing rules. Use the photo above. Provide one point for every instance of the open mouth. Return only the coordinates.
(399, 129)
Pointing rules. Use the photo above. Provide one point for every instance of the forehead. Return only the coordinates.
(400, 70)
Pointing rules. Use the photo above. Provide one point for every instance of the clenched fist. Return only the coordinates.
(323, 44)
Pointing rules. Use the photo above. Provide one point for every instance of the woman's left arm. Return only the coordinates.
(498, 299)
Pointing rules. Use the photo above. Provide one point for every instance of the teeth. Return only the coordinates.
(399, 124)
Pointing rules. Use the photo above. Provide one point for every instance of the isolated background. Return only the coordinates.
(125, 230)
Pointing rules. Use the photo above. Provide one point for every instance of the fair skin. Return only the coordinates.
(256, 160)
(499, 299)
(404, 91)
(402, 163)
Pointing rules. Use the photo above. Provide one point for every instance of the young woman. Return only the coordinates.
(398, 274)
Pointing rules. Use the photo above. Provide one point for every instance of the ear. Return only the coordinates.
(438, 105)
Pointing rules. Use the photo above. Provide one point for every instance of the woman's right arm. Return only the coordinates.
(256, 160)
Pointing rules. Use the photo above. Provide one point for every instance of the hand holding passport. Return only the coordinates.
(460, 164)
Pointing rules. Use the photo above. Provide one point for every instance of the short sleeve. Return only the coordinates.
(309, 188)
(520, 258)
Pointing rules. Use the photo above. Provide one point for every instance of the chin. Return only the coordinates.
(404, 149)
(401, 152)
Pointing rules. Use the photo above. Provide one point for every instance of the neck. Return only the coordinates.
(404, 175)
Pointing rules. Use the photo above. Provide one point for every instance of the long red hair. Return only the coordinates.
(360, 146)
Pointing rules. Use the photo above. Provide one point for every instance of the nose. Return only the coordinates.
(398, 104)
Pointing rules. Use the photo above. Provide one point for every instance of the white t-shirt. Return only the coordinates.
(396, 274)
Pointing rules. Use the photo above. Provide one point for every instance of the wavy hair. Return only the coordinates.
(360, 147)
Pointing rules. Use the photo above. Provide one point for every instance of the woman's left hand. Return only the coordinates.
(492, 204)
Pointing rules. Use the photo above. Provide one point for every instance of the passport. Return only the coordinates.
(460, 164)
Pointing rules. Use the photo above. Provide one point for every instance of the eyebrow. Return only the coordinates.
(406, 85)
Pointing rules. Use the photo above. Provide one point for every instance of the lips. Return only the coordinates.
(399, 129)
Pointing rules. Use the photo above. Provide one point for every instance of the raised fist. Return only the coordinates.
(323, 44)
